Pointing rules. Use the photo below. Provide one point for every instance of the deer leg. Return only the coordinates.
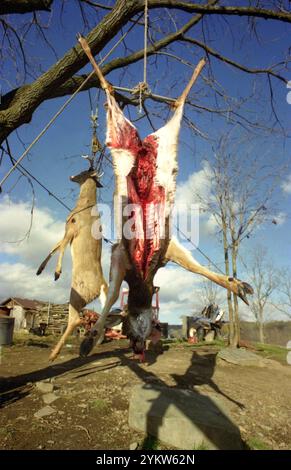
(76, 304)
(193, 79)
(179, 255)
(59, 246)
(74, 321)
(103, 82)
(117, 274)
(44, 263)
(69, 235)
(58, 269)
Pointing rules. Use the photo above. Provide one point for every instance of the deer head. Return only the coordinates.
(84, 175)
(138, 326)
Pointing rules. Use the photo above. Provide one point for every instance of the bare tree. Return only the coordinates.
(209, 293)
(264, 280)
(285, 288)
(240, 197)
(283, 301)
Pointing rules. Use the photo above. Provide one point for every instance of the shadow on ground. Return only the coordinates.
(199, 372)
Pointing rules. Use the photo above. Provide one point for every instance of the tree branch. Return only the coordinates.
(18, 105)
(33, 95)
(97, 5)
(222, 10)
(241, 67)
(24, 6)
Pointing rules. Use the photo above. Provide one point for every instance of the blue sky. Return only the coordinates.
(56, 156)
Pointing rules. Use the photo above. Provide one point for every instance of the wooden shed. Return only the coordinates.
(24, 311)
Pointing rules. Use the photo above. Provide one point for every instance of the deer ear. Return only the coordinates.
(96, 177)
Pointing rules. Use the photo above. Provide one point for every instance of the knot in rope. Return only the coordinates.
(140, 90)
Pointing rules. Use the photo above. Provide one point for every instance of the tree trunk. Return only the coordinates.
(261, 327)
(236, 338)
(229, 300)
(261, 333)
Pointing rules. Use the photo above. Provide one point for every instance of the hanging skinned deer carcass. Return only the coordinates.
(87, 282)
(145, 181)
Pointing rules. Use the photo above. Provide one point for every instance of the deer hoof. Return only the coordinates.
(247, 288)
(243, 290)
(57, 275)
(100, 337)
(54, 354)
(86, 346)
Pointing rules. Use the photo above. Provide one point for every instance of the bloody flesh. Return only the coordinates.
(148, 197)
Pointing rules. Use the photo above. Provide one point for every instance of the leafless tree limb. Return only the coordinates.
(224, 10)
(241, 67)
(24, 6)
(264, 281)
(19, 105)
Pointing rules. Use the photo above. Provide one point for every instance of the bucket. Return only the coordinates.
(6, 330)
(164, 329)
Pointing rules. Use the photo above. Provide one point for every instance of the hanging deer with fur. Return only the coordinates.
(88, 281)
(145, 176)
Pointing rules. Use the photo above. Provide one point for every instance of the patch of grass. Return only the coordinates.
(22, 338)
(6, 431)
(2, 352)
(99, 404)
(220, 342)
(201, 446)
(217, 343)
(255, 443)
(150, 443)
(272, 351)
(38, 344)
(171, 341)
(28, 339)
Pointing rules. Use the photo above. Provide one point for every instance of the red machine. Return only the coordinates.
(155, 306)
(90, 317)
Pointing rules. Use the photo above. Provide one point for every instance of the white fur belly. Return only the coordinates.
(87, 285)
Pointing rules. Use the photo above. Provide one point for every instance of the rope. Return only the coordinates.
(142, 88)
(63, 107)
(145, 41)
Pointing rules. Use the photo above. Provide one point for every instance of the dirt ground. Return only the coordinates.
(91, 411)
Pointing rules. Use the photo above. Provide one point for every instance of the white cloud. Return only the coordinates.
(286, 185)
(195, 190)
(19, 280)
(196, 187)
(18, 274)
(179, 294)
(176, 283)
(15, 220)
